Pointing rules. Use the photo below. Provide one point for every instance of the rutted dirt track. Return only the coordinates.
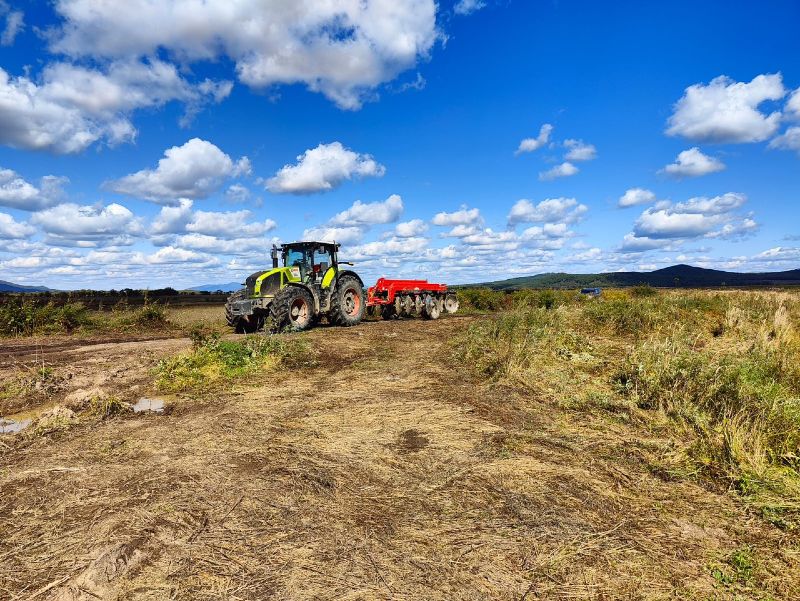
(381, 471)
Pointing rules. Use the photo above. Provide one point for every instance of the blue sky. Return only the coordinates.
(172, 142)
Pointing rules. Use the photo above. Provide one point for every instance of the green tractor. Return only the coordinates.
(308, 285)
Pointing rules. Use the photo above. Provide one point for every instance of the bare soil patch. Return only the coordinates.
(382, 469)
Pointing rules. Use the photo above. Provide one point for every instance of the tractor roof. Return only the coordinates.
(310, 243)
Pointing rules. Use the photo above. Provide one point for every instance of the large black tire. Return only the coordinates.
(348, 302)
(292, 310)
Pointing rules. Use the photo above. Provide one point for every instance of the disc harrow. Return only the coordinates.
(392, 299)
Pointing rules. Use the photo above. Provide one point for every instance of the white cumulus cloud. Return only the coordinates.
(565, 169)
(789, 140)
(195, 170)
(550, 210)
(229, 224)
(370, 213)
(172, 219)
(728, 111)
(793, 104)
(323, 168)
(578, 150)
(14, 24)
(343, 235)
(712, 206)
(466, 7)
(636, 196)
(11, 229)
(90, 225)
(532, 144)
(695, 218)
(343, 50)
(410, 229)
(693, 163)
(17, 193)
(70, 107)
(463, 216)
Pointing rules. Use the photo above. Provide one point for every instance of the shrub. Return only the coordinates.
(23, 316)
(643, 290)
(150, 314)
(483, 299)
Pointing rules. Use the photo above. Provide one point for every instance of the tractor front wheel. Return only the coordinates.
(348, 302)
(241, 324)
(291, 310)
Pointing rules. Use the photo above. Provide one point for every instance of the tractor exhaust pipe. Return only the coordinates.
(274, 257)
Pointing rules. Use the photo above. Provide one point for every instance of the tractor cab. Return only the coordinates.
(311, 263)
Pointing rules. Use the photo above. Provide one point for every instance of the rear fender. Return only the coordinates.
(341, 274)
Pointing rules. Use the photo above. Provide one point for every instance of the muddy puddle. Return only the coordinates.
(16, 422)
(12, 426)
(145, 405)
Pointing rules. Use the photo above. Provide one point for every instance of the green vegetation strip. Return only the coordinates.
(213, 362)
(721, 370)
(23, 316)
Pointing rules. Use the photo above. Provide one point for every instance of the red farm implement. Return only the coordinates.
(402, 298)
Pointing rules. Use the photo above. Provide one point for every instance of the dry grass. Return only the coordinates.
(720, 371)
(380, 468)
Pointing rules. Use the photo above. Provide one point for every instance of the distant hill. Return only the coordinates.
(12, 287)
(229, 287)
(675, 276)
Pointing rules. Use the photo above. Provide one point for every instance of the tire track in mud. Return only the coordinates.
(22, 351)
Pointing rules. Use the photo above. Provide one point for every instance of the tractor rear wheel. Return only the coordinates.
(291, 310)
(347, 302)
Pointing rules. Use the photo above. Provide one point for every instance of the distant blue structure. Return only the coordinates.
(591, 291)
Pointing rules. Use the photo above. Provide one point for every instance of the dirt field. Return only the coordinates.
(382, 470)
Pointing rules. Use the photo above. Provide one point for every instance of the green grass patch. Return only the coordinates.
(213, 362)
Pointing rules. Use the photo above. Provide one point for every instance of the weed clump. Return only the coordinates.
(213, 361)
(740, 396)
(104, 407)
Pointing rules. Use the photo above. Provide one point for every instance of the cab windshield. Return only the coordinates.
(300, 258)
(297, 258)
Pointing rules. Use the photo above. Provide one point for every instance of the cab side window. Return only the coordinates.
(322, 260)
